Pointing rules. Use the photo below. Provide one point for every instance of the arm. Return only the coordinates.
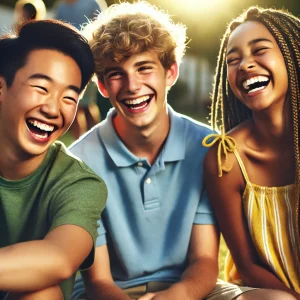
(225, 196)
(53, 293)
(36, 265)
(201, 274)
(98, 280)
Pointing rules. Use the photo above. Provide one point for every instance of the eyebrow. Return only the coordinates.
(47, 78)
(140, 63)
(252, 42)
(137, 64)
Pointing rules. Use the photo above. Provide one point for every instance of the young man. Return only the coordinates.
(50, 201)
(158, 239)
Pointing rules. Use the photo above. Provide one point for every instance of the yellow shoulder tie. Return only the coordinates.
(226, 144)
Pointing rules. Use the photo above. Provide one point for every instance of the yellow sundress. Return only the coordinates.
(271, 218)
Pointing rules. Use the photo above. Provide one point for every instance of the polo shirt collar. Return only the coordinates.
(173, 150)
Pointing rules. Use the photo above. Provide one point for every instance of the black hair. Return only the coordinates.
(44, 34)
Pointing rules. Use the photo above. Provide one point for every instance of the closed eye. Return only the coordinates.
(260, 50)
(72, 99)
(232, 60)
(40, 87)
(114, 74)
(145, 68)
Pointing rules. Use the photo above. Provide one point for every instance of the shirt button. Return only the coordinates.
(140, 164)
(148, 180)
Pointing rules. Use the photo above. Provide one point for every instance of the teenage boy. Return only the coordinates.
(49, 200)
(158, 239)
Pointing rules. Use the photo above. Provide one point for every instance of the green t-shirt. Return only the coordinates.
(63, 190)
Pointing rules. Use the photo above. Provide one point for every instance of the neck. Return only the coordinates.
(15, 167)
(144, 141)
(274, 127)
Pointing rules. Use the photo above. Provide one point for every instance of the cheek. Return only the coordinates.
(69, 112)
(282, 71)
(113, 89)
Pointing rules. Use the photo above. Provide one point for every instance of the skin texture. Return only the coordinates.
(140, 75)
(261, 57)
(144, 131)
(259, 142)
(46, 90)
(50, 97)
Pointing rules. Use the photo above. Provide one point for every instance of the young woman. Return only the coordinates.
(252, 172)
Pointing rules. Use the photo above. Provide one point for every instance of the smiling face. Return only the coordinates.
(41, 103)
(256, 69)
(137, 88)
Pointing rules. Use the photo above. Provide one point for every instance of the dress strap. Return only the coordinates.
(226, 145)
(241, 164)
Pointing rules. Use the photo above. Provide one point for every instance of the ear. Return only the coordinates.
(172, 74)
(102, 89)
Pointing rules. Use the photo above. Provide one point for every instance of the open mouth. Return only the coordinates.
(138, 103)
(39, 129)
(255, 84)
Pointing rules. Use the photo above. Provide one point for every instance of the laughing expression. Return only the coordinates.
(137, 88)
(41, 103)
(256, 69)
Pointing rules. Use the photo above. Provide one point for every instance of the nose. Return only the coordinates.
(133, 83)
(246, 64)
(51, 108)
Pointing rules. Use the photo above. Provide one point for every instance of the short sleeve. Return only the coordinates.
(101, 239)
(204, 214)
(80, 203)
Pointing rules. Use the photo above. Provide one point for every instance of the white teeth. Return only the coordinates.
(41, 126)
(41, 136)
(256, 89)
(139, 107)
(137, 100)
(252, 80)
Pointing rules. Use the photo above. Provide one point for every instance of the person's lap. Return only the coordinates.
(222, 291)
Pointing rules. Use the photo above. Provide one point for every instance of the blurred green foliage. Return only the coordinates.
(204, 28)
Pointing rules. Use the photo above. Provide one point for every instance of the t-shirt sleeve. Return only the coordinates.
(204, 214)
(80, 203)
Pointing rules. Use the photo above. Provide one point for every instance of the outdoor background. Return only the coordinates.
(206, 22)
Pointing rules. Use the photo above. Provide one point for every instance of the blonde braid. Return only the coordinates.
(281, 30)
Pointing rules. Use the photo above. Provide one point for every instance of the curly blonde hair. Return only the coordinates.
(126, 29)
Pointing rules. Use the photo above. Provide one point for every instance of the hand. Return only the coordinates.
(173, 293)
(147, 296)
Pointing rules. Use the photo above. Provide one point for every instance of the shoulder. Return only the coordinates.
(87, 142)
(194, 125)
(68, 166)
(193, 130)
(220, 161)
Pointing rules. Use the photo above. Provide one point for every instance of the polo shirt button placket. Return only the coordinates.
(148, 180)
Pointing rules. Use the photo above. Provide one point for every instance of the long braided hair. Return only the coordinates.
(226, 109)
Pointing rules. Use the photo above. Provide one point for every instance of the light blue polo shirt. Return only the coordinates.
(150, 210)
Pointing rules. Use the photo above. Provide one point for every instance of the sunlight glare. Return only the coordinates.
(202, 7)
